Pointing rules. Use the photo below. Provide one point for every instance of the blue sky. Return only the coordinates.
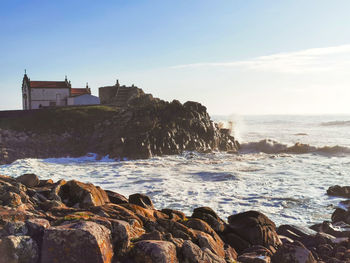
(243, 57)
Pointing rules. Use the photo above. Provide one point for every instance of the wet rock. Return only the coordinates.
(29, 180)
(78, 194)
(123, 233)
(205, 240)
(208, 215)
(18, 249)
(154, 251)
(293, 253)
(294, 232)
(116, 198)
(198, 224)
(341, 215)
(255, 228)
(45, 182)
(141, 200)
(174, 214)
(342, 191)
(339, 229)
(178, 230)
(78, 242)
(191, 253)
(236, 241)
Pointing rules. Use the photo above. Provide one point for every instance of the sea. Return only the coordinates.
(283, 169)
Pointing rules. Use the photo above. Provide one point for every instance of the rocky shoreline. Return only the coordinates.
(145, 127)
(43, 221)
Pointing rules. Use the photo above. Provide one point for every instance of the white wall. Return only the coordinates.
(44, 96)
(85, 99)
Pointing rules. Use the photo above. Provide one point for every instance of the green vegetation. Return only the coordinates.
(59, 120)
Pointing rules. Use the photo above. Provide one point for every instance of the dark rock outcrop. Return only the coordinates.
(342, 191)
(145, 128)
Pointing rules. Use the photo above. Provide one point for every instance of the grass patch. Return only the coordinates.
(59, 120)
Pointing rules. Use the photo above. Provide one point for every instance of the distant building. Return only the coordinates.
(43, 94)
(118, 95)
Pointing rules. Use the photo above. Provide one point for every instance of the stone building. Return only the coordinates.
(118, 95)
(43, 94)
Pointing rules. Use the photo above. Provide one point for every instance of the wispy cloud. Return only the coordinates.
(305, 61)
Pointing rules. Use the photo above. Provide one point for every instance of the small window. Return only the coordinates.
(52, 103)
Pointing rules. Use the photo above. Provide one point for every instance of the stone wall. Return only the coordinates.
(106, 93)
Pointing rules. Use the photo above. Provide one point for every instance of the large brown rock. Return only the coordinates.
(254, 228)
(208, 215)
(293, 253)
(116, 198)
(123, 233)
(205, 241)
(18, 249)
(78, 194)
(154, 251)
(141, 200)
(337, 190)
(191, 253)
(29, 180)
(85, 242)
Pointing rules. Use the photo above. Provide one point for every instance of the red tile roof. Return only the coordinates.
(78, 92)
(49, 84)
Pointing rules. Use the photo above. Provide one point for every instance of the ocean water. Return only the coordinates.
(288, 183)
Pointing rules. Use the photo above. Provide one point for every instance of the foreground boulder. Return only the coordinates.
(85, 242)
(78, 194)
(293, 253)
(252, 228)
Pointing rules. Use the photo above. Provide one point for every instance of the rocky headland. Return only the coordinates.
(42, 221)
(142, 128)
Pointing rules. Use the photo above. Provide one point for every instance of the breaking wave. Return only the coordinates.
(273, 147)
(336, 123)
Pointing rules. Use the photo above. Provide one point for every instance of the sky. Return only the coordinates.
(233, 56)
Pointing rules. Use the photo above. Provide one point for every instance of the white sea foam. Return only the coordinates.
(272, 146)
(336, 123)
